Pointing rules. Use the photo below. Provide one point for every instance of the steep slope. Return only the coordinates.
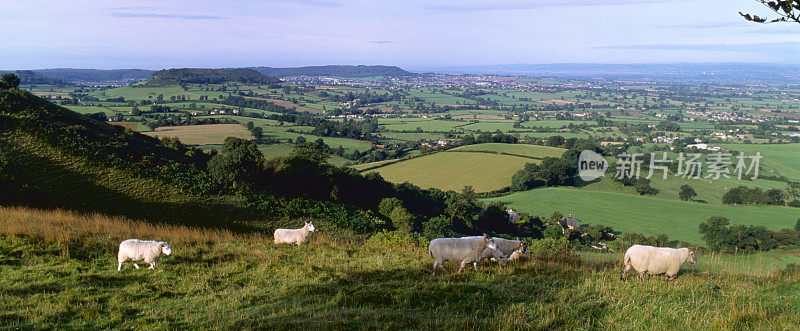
(52, 157)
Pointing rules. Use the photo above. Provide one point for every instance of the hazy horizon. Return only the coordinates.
(415, 35)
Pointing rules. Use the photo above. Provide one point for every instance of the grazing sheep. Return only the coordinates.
(512, 249)
(656, 260)
(493, 254)
(142, 250)
(293, 236)
(464, 250)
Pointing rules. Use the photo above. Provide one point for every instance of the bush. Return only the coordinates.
(437, 227)
(551, 246)
(554, 231)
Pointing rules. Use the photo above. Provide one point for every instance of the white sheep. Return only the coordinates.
(293, 236)
(142, 250)
(465, 250)
(656, 260)
(512, 249)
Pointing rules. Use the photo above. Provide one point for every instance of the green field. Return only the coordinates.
(453, 170)
(783, 159)
(534, 151)
(651, 216)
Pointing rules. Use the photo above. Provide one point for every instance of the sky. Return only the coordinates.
(413, 34)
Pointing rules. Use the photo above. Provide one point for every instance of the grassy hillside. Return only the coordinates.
(651, 216)
(214, 76)
(781, 159)
(63, 275)
(453, 170)
(534, 151)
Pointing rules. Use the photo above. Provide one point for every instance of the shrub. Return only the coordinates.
(437, 227)
(551, 246)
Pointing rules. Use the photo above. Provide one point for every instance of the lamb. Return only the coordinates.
(459, 249)
(656, 260)
(512, 249)
(142, 250)
(293, 236)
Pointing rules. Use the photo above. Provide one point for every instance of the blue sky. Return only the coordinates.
(414, 34)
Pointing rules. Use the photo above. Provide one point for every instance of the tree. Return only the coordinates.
(386, 205)
(437, 227)
(402, 219)
(494, 218)
(239, 163)
(462, 209)
(787, 10)
(9, 80)
(687, 193)
(716, 233)
(300, 140)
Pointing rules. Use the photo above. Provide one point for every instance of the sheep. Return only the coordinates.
(459, 249)
(142, 250)
(293, 236)
(656, 260)
(512, 249)
(494, 254)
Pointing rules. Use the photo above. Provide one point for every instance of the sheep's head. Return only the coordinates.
(692, 257)
(489, 242)
(166, 249)
(310, 226)
(522, 248)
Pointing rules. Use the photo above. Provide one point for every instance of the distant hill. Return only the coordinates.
(30, 77)
(344, 71)
(214, 76)
(70, 75)
(678, 72)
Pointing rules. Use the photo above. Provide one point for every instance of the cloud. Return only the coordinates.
(381, 42)
(755, 47)
(170, 16)
(527, 4)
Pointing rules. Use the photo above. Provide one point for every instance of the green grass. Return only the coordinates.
(534, 151)
(424, 124)
(782, 159)
(236, 282)
(651, 216)
(454, 170)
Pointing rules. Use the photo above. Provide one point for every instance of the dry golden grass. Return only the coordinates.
(63, 226)
(208, 134)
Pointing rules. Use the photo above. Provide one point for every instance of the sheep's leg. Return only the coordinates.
(136, 265)
(641, 276)
(463, 264)
(152, 265)
(441, 265)
(119, 267)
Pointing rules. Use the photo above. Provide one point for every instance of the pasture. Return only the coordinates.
(453, 170)
(650, 216)
(63, 275)
(781, 159)
(209, 134)
(533, 151)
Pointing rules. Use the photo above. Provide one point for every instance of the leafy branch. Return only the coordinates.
(787, 10)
